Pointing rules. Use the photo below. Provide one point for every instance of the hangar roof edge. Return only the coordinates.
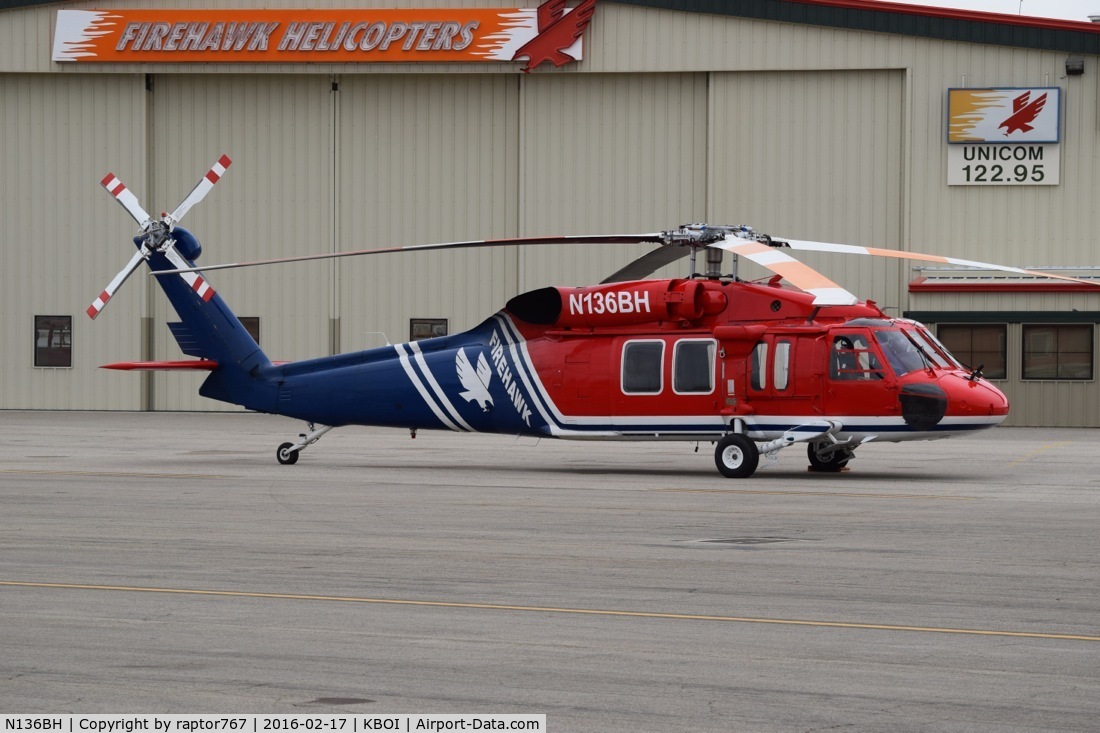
(948, 24)
(878, 16)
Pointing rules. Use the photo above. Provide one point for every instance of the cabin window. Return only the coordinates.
(758, 379)
(975, 345)
(782, 369)
(852, 359)
(693, 366)
(1058, 352)
(53, 341)
(642, 366)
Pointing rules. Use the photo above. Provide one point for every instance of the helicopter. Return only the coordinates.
(752, 367)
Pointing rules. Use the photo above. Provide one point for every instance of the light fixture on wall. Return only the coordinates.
(1075, 65)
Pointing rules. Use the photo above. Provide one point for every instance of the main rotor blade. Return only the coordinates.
(874, 251)
(647, 264)
(515, 241)
(112, 287)
(198, 193)
(126, 197)
(799, 274)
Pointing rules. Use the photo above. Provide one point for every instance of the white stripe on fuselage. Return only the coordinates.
(439, 393)
(411, 373)
(521, 368)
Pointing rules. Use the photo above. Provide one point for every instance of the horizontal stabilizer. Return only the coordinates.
(187, 341)
(163, 366)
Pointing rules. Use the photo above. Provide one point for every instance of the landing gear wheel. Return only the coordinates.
(736, 456)
(286, 456)
(831, 463)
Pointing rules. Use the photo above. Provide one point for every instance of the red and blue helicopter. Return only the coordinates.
(753, 367)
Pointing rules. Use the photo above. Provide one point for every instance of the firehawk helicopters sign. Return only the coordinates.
(552, 32)
(1003, 137)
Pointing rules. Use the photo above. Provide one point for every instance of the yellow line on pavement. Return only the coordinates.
(110, 474)
(844, 494)
(551, 609)
(1036, 452)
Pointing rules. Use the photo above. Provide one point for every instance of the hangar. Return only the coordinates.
(847, 121)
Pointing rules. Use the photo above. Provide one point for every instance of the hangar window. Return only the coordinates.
(641, 371)
(1058, 352)
(693, 366)
(53, 341)
(252, 325)
(427, 328)
(975, 345)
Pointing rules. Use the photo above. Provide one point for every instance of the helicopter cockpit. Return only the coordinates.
(906, 346)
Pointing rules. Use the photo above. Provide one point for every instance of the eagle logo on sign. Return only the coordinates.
(558, 31)
(1024, 113)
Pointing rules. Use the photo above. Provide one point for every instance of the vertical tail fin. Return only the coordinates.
(207, 328)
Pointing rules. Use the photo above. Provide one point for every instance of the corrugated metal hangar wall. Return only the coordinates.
(801, 130)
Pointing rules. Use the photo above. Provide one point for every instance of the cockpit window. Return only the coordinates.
(852, 358)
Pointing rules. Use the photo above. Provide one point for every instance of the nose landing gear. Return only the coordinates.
(826, 457)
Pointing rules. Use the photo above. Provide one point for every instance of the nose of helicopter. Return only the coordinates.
(974, 398)
(969, 403)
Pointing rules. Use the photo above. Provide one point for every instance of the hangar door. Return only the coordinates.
(818, 156)
(275, 201)
(62, 134)
(608, 153)
(421, 159)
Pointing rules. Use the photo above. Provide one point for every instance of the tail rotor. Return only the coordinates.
(156, 234)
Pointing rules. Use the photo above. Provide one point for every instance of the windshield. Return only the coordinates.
(910, 349)
(952, 361)
(903, 354)
(929, 350)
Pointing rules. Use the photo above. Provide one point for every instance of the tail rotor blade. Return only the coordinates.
(126, 197)
(193, 279)
(198, 193)
(112, 287)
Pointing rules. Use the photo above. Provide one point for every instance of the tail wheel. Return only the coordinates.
(286, 456)
(736, 456)
(827, 462)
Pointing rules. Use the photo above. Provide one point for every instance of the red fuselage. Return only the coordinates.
(682, 359)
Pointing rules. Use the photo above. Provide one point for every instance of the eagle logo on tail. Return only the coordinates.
(475, 382)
